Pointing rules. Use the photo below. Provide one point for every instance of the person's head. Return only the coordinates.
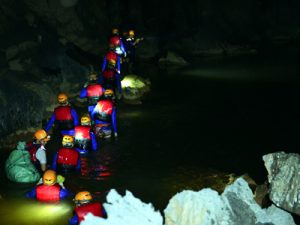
(41, 137)
(49, 177)
(115, 31)
(62, 99)
(131, 33)
(83, 197)
(108, 94)
(93, 77)
(85, 120)
(67, 141)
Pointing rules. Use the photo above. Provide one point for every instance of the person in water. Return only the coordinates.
(37, 149)
(51, 189)
(64, 115)
(85, 138)
(67, 158)
(83, 205)
(104, 116)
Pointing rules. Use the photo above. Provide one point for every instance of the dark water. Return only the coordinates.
(198, 125)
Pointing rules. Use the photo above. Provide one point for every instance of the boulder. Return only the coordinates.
(125, 210)
(235, 206)
(284, 179)
(172, 59)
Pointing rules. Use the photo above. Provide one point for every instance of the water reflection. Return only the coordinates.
(29, 212)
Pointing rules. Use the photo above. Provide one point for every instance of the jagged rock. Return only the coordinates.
(134, 88)
(172, 59)
(284, 178)
(126, 210)
(234, 207)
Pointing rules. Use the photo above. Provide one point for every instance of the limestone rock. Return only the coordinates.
(172, 59)
(284, 178)
(126, 210)
(234, 207)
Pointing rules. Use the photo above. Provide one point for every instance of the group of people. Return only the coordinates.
(79, 136)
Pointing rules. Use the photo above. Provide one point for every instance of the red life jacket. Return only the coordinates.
(108, 74)
(48, 193)
(94, 90)
(111, 56)
(67, 156)
(105, 106)
(82, 132)
(32, 149)
(115, 41)
(63, 113)
(95, 208)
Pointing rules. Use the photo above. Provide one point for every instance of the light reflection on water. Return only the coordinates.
(30, 212)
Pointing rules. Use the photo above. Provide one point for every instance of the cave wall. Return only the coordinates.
(56, 42)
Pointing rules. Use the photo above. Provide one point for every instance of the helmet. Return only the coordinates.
(131, 33)
(41, 135)
(85, 120)
(83, 197)
(93, 76)
(68, 141)
(49, 177)
(62, 98)
(115, 31)
(108, 93)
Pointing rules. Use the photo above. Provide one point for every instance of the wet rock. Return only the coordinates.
(125, 210)
(172, 59)
(284, 178)
(134, 88)
(234, 207)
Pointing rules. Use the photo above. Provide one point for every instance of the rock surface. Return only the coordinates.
(284, 178)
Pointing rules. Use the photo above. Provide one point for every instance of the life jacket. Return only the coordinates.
(104, 110)
(82, 137)
(67, 157)
(115, 41)
(63, 117)
(95, 208)
(108, 74)
(48, 193)
(111, 55)
(94, 92)
(32, 149)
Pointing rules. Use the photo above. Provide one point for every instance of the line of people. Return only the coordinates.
(102, 91)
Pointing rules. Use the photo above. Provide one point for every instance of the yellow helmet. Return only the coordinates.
(85, 120)
(62, 98)
(68, 141)
(41, 135)
(108, 93)
(131, 33)
(93, 76)
(115, 31)
(83, 197)
(49, 177)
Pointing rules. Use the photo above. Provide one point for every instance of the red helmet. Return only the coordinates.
(114, 41)
(111, 56)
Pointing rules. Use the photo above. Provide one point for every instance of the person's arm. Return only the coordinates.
(64, 193)
(114, 121)
(78, 166)
(83, 93)
(68, 132)
(32, 193)
(50, 123)
(104, 64)
(122, 48)
(75, 117)
(41, 156)
(119, 84)
(54, 163)
(93, 111)
(94, 141)
(119, 64)
(73, 220)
